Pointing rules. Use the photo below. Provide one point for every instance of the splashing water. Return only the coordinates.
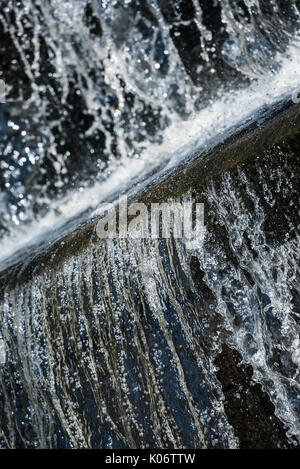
(93, 86)
(117, 347)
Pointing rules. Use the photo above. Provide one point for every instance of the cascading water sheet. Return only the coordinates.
(123, 342)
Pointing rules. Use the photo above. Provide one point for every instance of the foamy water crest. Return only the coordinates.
(153, 342)
(100, 92)
(179, 140)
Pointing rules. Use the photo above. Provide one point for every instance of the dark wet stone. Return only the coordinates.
(198, 276)
(92, 19)
(248, 408)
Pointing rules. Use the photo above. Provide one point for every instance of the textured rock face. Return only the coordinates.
(158, 343)
(247, 407)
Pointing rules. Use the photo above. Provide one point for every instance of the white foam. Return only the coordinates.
(228, 110)
(2, 352)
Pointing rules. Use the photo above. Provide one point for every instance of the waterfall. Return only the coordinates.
(94, 86)
(123, 343)
(117, 346)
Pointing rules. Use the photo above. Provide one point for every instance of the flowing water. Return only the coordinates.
(117, 346)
